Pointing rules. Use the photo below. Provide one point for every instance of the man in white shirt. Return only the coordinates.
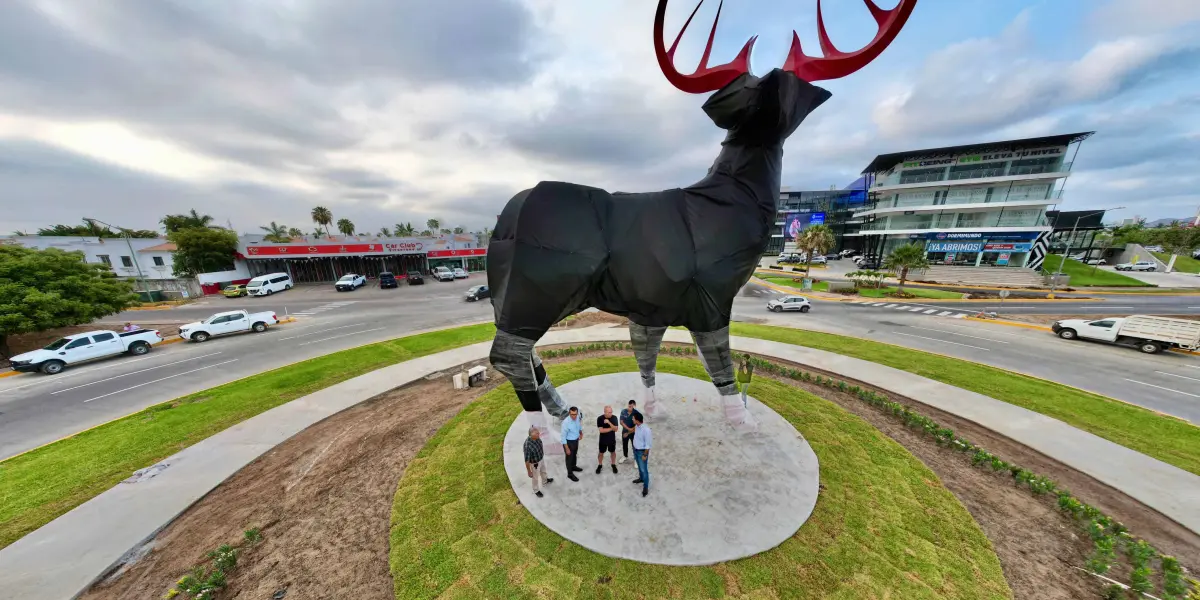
(642, 440)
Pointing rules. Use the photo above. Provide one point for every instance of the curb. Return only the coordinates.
(9, 374)
(1146, 290)
(1044, 328)
(795, 291)
(946, 300)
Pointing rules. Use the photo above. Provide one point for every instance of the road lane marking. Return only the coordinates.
(962, 334)
(163, 379)
(931, 311)
(1105, 306)
(319, 331)
(1161, 388)
(1174, 375)
(941, 341)
(73, 373)
(342, 336)
(890, 305)
(134, 373)
(1191, 366)
(944, 313)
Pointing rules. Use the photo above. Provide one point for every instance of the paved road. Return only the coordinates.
(1146, 304)
(36, 409)
(1167, 382)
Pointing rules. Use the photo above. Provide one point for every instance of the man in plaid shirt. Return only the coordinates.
(533, 461)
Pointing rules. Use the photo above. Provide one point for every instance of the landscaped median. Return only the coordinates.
(38, 486)
(883, 292)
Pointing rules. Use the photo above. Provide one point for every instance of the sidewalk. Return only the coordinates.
(64, 557)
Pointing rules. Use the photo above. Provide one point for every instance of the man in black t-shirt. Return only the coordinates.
(627, 428)
(608, 425)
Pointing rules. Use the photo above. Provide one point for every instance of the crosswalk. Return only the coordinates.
(932, 311)
(311, 312)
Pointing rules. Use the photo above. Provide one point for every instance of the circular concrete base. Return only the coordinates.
(715, 495)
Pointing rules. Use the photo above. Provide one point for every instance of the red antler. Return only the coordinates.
(833, 65)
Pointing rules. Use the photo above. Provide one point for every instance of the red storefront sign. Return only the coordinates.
(449, 253)
(328, 249)
(999, 246)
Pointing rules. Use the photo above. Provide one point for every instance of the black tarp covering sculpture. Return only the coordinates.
(675, 257)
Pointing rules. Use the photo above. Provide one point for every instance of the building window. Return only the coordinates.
(158, 262)
(104, 259)
(922, 175)
(977, 170)
(1033, 166)
(126, 261)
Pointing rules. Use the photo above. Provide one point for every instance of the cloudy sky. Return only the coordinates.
(400, 110)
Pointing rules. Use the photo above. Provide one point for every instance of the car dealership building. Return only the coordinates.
(323, 259)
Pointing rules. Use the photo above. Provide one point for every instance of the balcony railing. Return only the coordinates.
(952, 222)
(900, 201)
(1008, 170)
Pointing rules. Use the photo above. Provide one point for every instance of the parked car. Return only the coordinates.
(1154, 249)
(478, 292)
(234, 291)
(388, 280)
(783, 303)
(236, 321)
(1097, 261)
(818, 260)
(848, 253)
(1141, 265)
(415, 278)
(460, 274)
(833, 257)
(870, 264)
(1150, 334)
(350, 282)
(265, 285)
(790, 258)
(84, 347)
(443, 274)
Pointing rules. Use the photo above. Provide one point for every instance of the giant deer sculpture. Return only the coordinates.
(675, 257)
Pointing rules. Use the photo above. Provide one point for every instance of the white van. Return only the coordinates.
(265, 285)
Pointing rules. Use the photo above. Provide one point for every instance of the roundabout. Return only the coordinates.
(716, 495)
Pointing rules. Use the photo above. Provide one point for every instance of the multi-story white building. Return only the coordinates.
(973, 205)
(150, 256)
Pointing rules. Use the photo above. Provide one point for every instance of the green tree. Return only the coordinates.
(317, 233)
(203, 251)
(44, 289)
(433, 224)
(485, 237)
(276, 233)
(426, 233)
(322, 216)
(906, 258)
(817, 239)
(1175, 239)
(294, 232)
(88, 229)
(460, 230)
(173, 223)
(385, 232)
(346, 226)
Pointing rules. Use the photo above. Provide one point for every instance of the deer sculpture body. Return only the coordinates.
(669, 258)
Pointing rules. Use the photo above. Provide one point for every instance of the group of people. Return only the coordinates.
(634, 432)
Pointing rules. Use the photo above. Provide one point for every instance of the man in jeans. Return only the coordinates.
(627, 426)
(533, 461)
(572, 430)
(642, 440)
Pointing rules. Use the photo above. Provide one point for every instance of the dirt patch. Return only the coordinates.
(1048, 320)
(588, 319)
(1038, 546)
(323, 500)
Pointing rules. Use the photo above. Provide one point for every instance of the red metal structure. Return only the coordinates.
(833, 65)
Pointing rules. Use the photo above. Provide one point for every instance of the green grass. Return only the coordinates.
(38, 486)
(1082, 275)
(1183, 264)
(884, 526)
(1168, 439)
(822, 286)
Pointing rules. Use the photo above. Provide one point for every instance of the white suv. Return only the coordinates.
(783, 303)
(1137, 266)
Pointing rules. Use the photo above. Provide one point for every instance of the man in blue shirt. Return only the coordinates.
(627, 427)
(572, 430)
(642, 440)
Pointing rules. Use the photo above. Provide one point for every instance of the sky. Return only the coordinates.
(387, 112)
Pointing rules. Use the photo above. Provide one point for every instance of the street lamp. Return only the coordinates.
(1062, 261)
(132, 255)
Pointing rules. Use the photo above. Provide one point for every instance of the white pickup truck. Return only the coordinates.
(83, 347)
(1149, 334)
(234, 321)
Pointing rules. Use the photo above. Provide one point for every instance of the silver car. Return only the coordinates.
(783, 303)
(1137, 266)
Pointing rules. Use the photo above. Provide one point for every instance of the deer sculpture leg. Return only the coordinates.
(713, 347)
(514, 357)
(646, 343)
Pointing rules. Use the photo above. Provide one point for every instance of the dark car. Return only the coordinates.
(869, 264)
(388, 280)
(414, 278)
(478, 292)
(834, 256)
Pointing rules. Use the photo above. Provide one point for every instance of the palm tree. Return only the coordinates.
(346, 226)
(398, 230)
(905, 258)
(322, 216)
(276, 233)
(317, 233)
(433, 224)
(385, 232)
(426, 233)
(191, 220)
(817, 239)
(459, 230)
(295, 232)
(485, 237)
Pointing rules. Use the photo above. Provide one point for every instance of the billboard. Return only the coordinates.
(798, 222)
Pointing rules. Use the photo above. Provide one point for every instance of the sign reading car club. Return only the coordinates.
(405, 247)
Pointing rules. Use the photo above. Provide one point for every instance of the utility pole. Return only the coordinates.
(132, 255)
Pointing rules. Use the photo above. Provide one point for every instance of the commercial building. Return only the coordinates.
(971, 205)
(323, 259)
(1075, 232)
(797, 210)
